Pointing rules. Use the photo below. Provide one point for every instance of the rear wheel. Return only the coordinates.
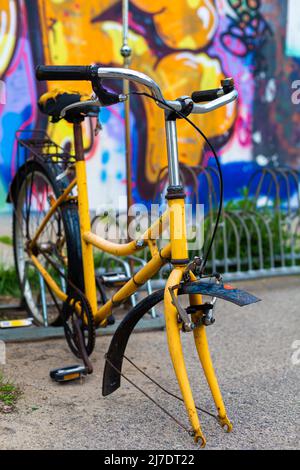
(58, 248)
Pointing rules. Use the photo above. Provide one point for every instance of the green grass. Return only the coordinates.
(6, 240)
(9, 395)
(9, 284)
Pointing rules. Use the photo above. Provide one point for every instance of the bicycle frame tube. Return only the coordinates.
(84, 219)
(175, 197)
(48, 279)
(175, 215)
(142, 276)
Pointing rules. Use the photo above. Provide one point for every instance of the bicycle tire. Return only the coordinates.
(70, 219)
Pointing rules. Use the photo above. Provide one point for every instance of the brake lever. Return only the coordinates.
(105, 97)
(79, 104)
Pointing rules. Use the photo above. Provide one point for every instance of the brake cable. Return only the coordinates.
(167, 105)
(179, 423)
(167, 391)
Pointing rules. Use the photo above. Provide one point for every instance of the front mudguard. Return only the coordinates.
(113, 365)
(111, 376)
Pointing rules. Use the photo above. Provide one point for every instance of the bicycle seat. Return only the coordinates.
(53, 102)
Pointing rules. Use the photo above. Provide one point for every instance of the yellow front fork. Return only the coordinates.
(176, 353)
(202, 347)
(179, 252)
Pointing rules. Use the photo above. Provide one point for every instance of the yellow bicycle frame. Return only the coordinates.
(176, 252)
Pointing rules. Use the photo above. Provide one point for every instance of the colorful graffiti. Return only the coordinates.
(185, 45)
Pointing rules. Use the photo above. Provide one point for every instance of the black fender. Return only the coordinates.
(113, 365)
(221, 291)
(111, 377)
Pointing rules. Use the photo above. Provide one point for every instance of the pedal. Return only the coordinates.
(114, 279)
(68, 373)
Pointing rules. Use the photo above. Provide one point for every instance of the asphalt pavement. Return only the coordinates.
(256, 352)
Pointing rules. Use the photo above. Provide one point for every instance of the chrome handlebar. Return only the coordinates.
(143, 79)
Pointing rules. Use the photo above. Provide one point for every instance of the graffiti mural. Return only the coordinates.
(184, 45)
(248, 32)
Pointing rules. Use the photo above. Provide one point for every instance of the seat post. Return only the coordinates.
(78, 141)
(84, 218)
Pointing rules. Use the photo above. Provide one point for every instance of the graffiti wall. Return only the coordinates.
(184, 45)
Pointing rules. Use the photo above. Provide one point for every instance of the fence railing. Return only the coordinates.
(259, 233)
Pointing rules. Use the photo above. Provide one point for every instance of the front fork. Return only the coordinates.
(176, 353)
(173, 327)
(202, 347)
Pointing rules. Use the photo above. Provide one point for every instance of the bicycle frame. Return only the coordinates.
(176, 251)
(175, 216)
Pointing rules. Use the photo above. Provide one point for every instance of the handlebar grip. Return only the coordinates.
(66, 72)
(207, 95)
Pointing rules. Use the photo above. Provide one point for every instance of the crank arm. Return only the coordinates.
(84, 355)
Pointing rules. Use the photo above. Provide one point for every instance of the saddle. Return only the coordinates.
(53, 102)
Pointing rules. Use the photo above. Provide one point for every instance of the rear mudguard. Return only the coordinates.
(111, 376)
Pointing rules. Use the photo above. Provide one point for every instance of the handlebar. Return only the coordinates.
(92, 72)
(66, 72)
(207, 95)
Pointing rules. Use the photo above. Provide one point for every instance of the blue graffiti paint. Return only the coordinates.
(105, 157)
(103, 176)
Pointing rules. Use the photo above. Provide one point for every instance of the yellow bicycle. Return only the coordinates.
(54, 242)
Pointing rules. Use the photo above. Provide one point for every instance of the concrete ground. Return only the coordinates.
(255, 356)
